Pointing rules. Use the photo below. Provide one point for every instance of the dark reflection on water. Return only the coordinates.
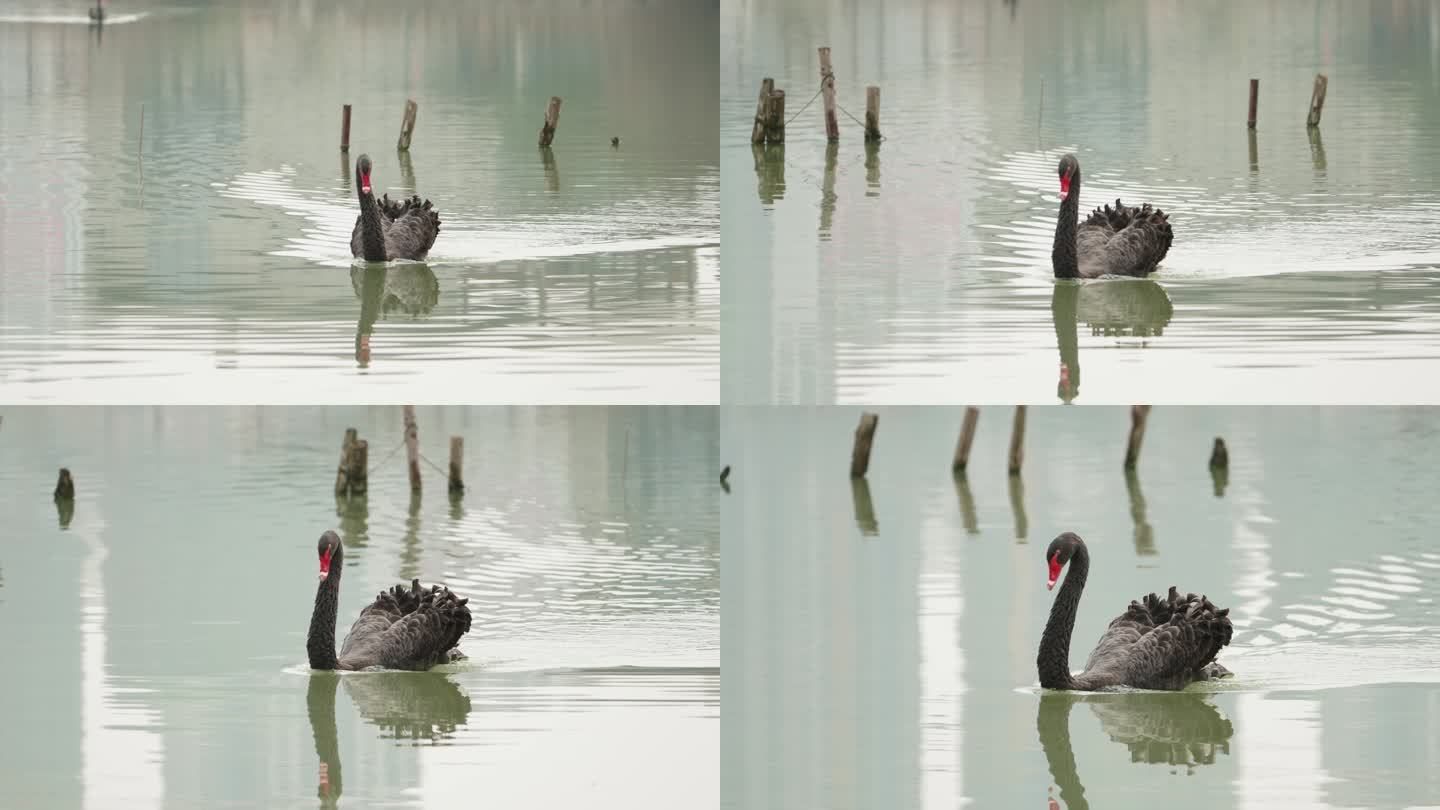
(408, 288)
(1135, 308)
(405, 706)
(1179, 730)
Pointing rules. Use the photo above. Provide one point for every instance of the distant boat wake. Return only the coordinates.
(326, 238)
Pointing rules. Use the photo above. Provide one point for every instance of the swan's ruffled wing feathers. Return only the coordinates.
(1160, 643)
(411, 228)
(1124, 240)
(424, 638)
(388, 607)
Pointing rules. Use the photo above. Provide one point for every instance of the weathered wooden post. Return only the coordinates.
(359, 472)
(1138, 416)
(342, 476)
(967, 437)
(412, 448)
(762, 111)
(65, 487)
(457, 454)
(864, 436)
(1219, 467)
(1317, 100)
(775, 128)
(827, 93)
(1017, 440)
(1219, 455)
(552, 120)
(407, 125)
(872, 113)
(345, 129)
(1254, 101)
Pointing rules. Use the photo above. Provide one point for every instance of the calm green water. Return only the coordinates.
(155, 647)
(921, 271)
(590, 274)
(882, 653)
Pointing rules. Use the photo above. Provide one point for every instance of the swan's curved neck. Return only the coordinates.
(320, 644)
(372, 237)
(1054, 659)
(1063, 256)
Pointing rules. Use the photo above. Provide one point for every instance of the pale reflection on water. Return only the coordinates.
(885, 655)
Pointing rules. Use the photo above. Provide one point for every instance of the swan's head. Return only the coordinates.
(1069, 172)
(329, 550)
(1060, 551)
(362, 174)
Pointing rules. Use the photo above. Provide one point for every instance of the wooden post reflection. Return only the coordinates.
(864, 507)
(1144, 533)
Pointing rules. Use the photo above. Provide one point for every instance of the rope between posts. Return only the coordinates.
(391, 454)
(433, 464)
(807, 105)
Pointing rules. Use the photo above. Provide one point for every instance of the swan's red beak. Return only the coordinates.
(365, 183)
(1054, 571)
(1064, 186)
(325, 564)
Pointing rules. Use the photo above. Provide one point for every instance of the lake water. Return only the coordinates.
(920, 271)
(586, 274)
(155, 644)
(879, 640)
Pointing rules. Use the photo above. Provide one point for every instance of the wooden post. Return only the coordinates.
(457, 454)
(359, 472)
(345, 129)
(827, 92)
(1254, 101)
(864, 436)
(967, 437)
(342, 476)
(407, 125)
(762, 111)
(1317, 100)
(1017, 440)
(552, 120)
(1138, 415)
(775, 128)
(1219, 456)
(412, 448)
(65, 487)
(872, 113)
(1219, 467)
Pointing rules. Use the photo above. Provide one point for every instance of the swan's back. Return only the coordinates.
(1123, 241)
(407, 629)
(409, 227)
(1160, 643)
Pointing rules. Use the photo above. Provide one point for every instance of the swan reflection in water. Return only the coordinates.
(1137, 308)
(383, 289)
(411, 706)
(1170, 729)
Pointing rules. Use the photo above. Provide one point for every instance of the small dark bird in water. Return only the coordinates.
(615, 141)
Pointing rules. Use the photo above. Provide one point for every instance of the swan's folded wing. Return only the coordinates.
(1172, 654)
(1141, 244)
(413, 231)
(421, 639)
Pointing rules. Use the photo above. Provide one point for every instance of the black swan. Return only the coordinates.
(1162, 643)
(402, 629)
(1110, 242)
(390, 229)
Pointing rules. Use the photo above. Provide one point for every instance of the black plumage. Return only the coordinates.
(1157, 643)
(391, 229)
(1119, 241)
(412, 629)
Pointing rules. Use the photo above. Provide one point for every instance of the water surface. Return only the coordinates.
(879, 638)
(1305, 267)
(156, 628)
(588, 273)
